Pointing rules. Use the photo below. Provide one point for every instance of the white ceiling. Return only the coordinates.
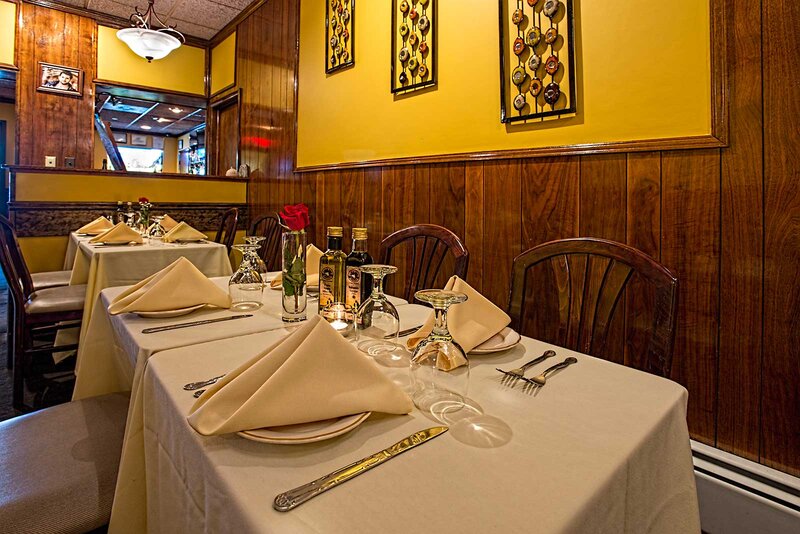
(198, 18)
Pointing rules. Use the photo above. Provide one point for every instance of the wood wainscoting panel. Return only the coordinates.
(780, 411)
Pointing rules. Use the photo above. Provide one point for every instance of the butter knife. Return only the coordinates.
(297, 496)
(193, 323)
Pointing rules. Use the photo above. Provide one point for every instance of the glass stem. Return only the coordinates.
(377, 288)
(440, 322)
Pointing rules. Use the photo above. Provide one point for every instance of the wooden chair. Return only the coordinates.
(226, 233)
(37, 315)
(426, 248)
(59, 466)
(584, 279)
(268, 226)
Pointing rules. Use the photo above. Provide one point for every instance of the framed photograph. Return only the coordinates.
(158, 142)
(121, 137)
(138, 139)
(60, 79)
(537, 59)
(413, 45)
(340, 25)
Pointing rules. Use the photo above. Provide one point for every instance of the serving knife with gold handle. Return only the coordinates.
(297, 496)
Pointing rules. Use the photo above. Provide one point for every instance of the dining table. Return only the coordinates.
(601, 448)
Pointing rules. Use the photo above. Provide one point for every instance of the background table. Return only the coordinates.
(602, 448)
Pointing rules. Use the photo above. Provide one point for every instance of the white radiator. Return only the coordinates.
(738, 496)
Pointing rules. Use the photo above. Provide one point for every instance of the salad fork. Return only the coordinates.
(513, 375)
(540, 380)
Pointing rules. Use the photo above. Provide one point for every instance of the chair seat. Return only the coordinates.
(56, 299)
(50, 279)
(59, 466)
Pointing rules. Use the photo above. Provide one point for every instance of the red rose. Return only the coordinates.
(143, 200)
(295, 217)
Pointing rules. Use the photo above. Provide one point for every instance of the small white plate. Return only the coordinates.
(306, 432)
(504, 340)
(187, 241)
(165, 314)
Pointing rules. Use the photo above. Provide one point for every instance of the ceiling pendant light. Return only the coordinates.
(147, 42)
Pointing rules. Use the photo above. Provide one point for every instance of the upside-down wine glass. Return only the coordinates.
(246, 286)
(439, 366)
(377, 321)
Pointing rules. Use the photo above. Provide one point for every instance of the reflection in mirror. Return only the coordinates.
(151, 132)
(7, 129)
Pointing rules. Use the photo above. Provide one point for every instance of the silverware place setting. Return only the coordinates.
(511, 377)
(176, 326)
(540, 380)
(192, 386)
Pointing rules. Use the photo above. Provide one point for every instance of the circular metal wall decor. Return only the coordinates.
(413, 45)
(339, 34)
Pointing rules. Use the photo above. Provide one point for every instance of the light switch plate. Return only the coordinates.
(69, 163)
(49, 161)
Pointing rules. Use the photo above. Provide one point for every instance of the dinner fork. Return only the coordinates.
(513, 375)
(540, 380)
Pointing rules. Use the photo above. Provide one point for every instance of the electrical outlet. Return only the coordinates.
(69, 162)
(49, 161)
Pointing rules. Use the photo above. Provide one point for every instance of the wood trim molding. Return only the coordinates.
(233, 24)
(167, 176)
(197, 96)
(106, 20)
(9, 67)
(647, 145)
(718, 138)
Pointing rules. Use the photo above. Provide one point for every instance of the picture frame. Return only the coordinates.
(414, 52)
(340, 35)
(180, 144)
(60, 80)
(121, 137)
(138, 139)
(537, 60)
(158, 142)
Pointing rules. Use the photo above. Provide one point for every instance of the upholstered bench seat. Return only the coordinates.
(56, 299)
(50, 279)
(58, 466)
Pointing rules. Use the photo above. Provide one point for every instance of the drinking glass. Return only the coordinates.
(156, 231)
(377, 320)
(261, 267)
(246, 286)
(439, 366)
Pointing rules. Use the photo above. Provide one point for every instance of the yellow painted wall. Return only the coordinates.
(44, 253)
(223, 64)
(8, 12)
(182, 70)
(170, 154)
(8, 114)
(643, 72)
(80, 187)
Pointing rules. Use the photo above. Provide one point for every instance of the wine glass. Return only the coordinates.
(156, 231)
(439, 366)
(377, 320)
(246, 286)
(261, 267)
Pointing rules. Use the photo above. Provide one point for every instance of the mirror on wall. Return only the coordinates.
(8, 121)
(140, 131)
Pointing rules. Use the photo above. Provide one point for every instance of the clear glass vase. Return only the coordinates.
(293, 274)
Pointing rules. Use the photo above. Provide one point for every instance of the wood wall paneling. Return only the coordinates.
(780, 400)
(49, 124)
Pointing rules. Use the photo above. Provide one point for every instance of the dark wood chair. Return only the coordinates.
(226, 233)
(567, 292)
(430, 255)
(268, 226)
(37, 316)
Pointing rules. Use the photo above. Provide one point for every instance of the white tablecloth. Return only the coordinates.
(602, 448)
(100, 267)
(72, 249)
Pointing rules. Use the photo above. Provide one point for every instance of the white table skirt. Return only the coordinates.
(72, 249)
(602, 448)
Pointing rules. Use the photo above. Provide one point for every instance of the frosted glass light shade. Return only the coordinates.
(149, 44)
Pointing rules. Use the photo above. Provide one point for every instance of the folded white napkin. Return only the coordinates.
(120, 233)
(311, 375)
(313, 254)
(470, 323)
(183, 231)
(100, 224)
(168, 223)
(179, 285)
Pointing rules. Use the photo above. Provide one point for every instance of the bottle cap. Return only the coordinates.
(359, 233)
(335, 231)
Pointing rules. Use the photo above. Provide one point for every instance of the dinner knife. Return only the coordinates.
(193, 323)
(297, 496)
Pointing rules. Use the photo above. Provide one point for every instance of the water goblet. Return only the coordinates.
(246, 286)
(156, 231)
(261, 266)
(377, 321)
(439, 366)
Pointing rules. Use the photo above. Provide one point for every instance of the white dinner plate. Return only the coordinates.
(187, 241)
(306, 432)
(164, 314)
(506, 339)
(115, 244)
(88, 234)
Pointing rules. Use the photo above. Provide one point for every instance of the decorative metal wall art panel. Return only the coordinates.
(339, 34)
(537, 63)
(413, 44)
